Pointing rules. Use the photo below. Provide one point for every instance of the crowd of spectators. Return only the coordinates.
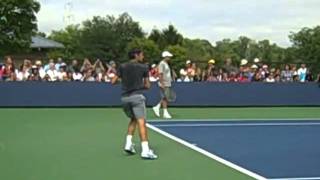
(100, 71)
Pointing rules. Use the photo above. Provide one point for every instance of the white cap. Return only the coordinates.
(166, 54)
(254, 67)
(188, 62)
(243, 62)
(153, 65)
(256, 60)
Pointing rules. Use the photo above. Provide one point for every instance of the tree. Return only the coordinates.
(167, 37)
(107, 37)
(198, 50)
(150, 49)
(18, 22)
(179, 56)
(306, 46)
(70, 38)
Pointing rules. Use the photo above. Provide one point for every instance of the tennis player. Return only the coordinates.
(135, 78)
(165, 79)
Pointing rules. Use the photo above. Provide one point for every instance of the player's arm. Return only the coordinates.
(146, 81)
(114, 80)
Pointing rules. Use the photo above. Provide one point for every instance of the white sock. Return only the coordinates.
(145, 146)
(158, 106)
(129, 139)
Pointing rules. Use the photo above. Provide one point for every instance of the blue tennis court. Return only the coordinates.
(264, 149)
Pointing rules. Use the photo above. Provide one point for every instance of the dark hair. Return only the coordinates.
(132, 54)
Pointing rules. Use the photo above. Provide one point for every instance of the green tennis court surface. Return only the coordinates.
(82, 144)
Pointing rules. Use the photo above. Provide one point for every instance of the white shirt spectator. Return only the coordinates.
(23, 76)
(53, 74)
(42, 72)
(77, 76)
(302, 73)
(61, 75)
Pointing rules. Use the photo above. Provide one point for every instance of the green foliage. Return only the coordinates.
(179, 56)
(151, 50)
(198, 50)
(17, 24)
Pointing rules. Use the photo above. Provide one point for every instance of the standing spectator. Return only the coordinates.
(153, 73)
(302, 73)
(52, 72)
(286, 74)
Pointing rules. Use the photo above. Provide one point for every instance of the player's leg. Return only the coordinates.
(165, 101)
(127, 108)
(129, 146)
(139, 110)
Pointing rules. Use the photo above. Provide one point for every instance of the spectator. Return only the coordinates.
(88, 76)
(190, 71)
(228, 67)
(99, 70)
(41, 70)
(208, 74)
(112, 69)
(12, 77)
(52, 72)
(295, 75)
(197, 70)
(244, 71)
(35, 74)
(183, 76)
(309, 77)
(86, 66)
(270, 78)
(302, 73)
(59, 63)
(1, 71)
(153, 73)
(75, 65)
(23, 74)
(76, 75)
(9, 68)
(252, 72)
(286, 74)
(318, 78)
(62, 73)
(47, 66)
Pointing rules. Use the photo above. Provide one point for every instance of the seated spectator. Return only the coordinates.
(71, 68)
(197, 70)
(183, 76)
(62, 73)
(12, 77)
(229, 67)
(8, 68)
(208, 73)
(47, 66)
(86, 66)
(302, 73)
(99, 69)
(154, 73)
(59, 63)
(88, 76)
(295, 75)
(23, 73)
(190, 71)
(286, 74)
(35, 75)
(112, 69)
(76, 75)
(41, 70)
(309, 77)
(270, 78)
(253, 71)
(1, 71)
(52, 72)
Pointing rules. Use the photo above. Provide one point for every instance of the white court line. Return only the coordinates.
(208, 154)
(306, 178)
(237, 124)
